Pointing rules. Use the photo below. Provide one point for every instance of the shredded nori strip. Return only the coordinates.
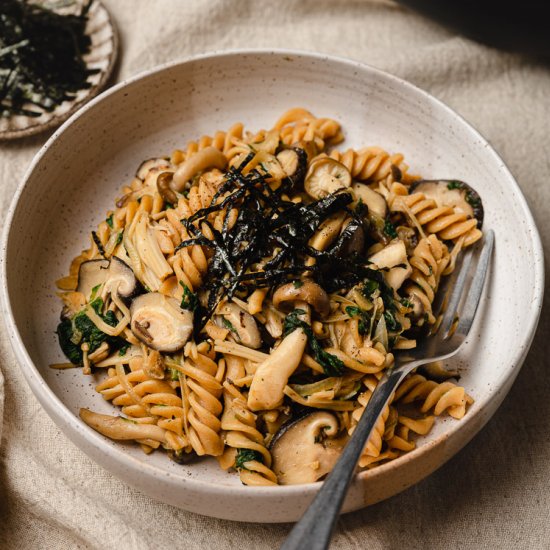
(272, 232)
(41, 61)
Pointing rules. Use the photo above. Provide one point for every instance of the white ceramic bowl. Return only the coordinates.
(76, 175)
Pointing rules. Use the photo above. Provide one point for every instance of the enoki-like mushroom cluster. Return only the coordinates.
(245, 296)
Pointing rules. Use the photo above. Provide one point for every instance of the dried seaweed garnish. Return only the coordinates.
(268, 243)
(41, 60)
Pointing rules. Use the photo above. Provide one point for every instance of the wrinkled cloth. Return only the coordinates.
(496, 492)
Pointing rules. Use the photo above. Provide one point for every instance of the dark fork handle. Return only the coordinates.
(314, 530)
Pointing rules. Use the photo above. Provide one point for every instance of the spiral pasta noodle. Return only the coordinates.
(245, 295)
(444, 221)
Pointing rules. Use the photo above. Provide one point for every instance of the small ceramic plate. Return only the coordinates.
(78, 173)
(102, 56)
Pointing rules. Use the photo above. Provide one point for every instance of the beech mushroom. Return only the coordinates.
(374, 201)
(114, 274)
(457, 194)
(147, 165)
(294, 164)
(209, 157)
(326, 176)
(305, 291)
(393, 257)
(164, 180)
(305, 450)
(242, 325)
(158, 321)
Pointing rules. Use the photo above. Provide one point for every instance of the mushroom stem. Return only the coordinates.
(116, 427)
(271, 376)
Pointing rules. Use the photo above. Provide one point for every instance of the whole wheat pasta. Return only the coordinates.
(245, 295)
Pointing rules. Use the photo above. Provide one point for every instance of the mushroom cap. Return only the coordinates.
(122, 278)
(242, 325)
(304, 450)
(91, 274)
(294, 164)
(325, 176)
(146, 166)
(375, 202)
(209, 157)
(302, 291)
(164, 180)
(455, 193)
(158, 321)
(114, 273)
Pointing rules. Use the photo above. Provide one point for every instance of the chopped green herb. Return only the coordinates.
(454, 185)
(119, 238)
(109, 221)
(391, 322)
(189, 299)
(472, 199)
(406, 302)
(123, 350)
(94, 292)
(73, 333)
(228, 325)
(69, 348)
(174, 374)
(247, 455)
(332, 366)
(369, 287)
(389, 229)
(364, 318)
(297, 284)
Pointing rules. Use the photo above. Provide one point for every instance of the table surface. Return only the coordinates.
(496, 492)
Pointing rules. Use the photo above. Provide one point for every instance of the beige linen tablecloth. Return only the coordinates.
(496, 492)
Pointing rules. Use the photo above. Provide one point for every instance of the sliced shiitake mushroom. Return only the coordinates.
(122, 278)
(455, 193)
(293, 161)
(114, 273)
(306, 449)
(158, 321)
(325, 176)
(91, 274)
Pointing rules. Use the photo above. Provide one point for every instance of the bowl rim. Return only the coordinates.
(86, 438)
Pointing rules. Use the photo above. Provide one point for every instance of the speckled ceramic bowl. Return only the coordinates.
(76, 175)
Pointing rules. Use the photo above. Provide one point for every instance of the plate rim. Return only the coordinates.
(86, 438)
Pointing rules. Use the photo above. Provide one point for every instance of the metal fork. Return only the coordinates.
(314, 530)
